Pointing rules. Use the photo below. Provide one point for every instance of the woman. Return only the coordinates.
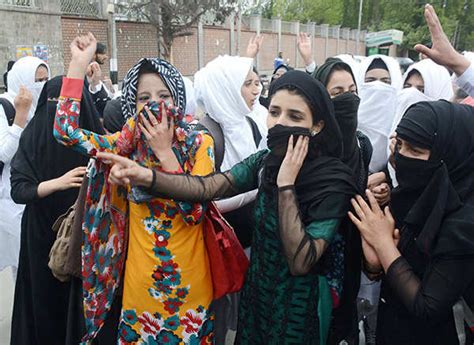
(17, 107)
(45, 177)
(379, 82)
(340, 83)
(167, 287)
(277, 73)
(229, 96)
(432, 266)
(292, 284)
(423, 81)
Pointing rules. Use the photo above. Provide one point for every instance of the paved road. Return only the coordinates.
(6, 305)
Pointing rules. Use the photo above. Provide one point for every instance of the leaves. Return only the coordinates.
(457, 17)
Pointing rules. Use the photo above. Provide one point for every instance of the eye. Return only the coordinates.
(143, 98)
(296, 117)
(273, 113)
(165, 96)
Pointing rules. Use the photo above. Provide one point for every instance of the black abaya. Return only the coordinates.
(41, 301)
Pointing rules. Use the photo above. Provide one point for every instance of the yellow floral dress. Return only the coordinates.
(167, 279)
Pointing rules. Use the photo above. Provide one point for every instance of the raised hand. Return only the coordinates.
(254, 45)
(82, 51)
(441, 52)
(305, 48)
(293, 161)
(22, 104)
(94, 74)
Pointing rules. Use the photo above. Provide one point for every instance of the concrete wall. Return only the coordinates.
(28, 27)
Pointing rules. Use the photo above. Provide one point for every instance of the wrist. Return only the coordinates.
(77, 69)
(20, 118)
(459, 64)
(147, 178)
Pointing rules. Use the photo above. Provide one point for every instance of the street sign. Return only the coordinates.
(387, 37)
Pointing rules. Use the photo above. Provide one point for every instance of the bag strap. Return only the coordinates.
(257, 137)
(9, 110)
(216, 133)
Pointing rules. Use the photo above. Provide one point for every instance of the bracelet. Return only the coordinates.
(153, 178)
(288, 186)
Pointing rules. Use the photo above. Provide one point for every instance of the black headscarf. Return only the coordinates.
(442, 210)
(322, 175)
(41, 158)
(346, 107)
(323, 72)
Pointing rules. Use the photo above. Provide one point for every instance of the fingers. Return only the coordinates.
(115, 159)
(301, 149)
(355, 204)
(145, 126)
(289, 150)
(374, 205)
(433, 22)
(420, 48)
(164, 119)
(354, 219)
(388, 215)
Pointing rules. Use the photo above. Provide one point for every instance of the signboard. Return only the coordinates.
(387, 37)
(22, 51)
(41, 52)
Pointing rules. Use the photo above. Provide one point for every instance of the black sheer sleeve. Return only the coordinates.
(443, 284)
(301, 252)
(243, 177)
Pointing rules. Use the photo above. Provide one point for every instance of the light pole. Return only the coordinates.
(358, 26)
(113, 44)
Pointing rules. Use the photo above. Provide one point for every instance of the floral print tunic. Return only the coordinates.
(167, 285)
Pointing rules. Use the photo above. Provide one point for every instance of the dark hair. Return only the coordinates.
(412, 73)
(147, 68)
(342, 66)
(101, 48)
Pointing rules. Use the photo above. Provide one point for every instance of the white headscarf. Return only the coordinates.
(23, 74)
(190, 97)
(392, 65)
(438, 85)
(353, 64)
(377, 109)
(218, 92)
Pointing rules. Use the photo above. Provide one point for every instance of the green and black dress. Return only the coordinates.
(290, 288)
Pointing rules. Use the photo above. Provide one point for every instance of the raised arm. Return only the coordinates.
(66, 124)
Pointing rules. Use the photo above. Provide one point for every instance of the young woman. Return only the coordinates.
(295, 274)
(432, 266)
(229, 96)
(45, 177)
(423, 81)
(340, 83)
(167, 287)
(380, 80)
(17, 107)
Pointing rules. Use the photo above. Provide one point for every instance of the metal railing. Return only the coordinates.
(88, 8)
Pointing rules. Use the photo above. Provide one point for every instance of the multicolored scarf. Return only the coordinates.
(106, 209)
